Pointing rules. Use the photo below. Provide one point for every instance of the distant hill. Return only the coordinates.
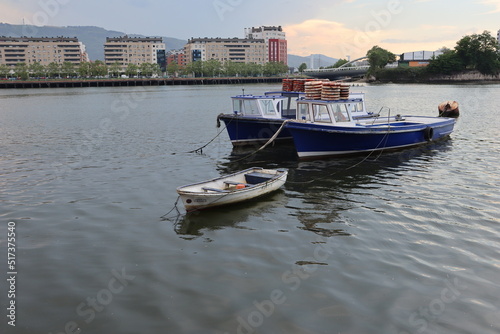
(312, 61)
(93, 37)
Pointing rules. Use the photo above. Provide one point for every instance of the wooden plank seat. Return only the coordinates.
(233, 183)
(214, 189)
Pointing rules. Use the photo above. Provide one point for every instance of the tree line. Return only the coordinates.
(480, 52)
(209, 68)
(85, 69)
(215, 68)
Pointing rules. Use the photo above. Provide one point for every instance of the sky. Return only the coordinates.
(336, 28)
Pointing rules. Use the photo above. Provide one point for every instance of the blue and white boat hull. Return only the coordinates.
(316, 140)
(247, 130)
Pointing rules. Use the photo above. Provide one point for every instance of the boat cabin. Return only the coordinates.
(272, 105)
(338, 112)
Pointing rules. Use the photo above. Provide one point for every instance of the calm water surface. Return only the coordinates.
(404, 242)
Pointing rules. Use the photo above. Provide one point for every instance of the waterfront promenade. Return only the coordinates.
(121, 82)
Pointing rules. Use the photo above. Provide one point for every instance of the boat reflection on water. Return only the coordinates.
(193, 224)
(317, 192)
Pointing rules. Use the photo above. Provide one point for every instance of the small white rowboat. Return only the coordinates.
(233, 188)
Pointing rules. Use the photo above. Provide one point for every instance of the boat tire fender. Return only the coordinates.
(428, 133)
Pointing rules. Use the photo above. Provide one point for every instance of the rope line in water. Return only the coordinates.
(200, 149)
(384, 139)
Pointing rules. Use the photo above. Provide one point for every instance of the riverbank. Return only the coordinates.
(122, 82)
(419, 75)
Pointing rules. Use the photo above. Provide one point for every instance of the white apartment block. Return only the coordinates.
(226, 49)
(132, 50)
(275, 40)
(43, 50)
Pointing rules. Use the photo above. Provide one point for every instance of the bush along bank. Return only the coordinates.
(421, 75)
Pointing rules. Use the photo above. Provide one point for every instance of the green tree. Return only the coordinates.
(98, 69)
(36, 70)
(4, 70)
(115, 69)
(480, 52)
(173, 68)
(302, 67)
(68, 69)
(194, 68)
(132, 70)
(379, 58)
(84, 69)
(254, 69)
(340, 62)
(146, 69)
(447, 63)
(53, 70)
(211, 68)
(21, 71)
(156, 69)
(232, 69)
(275, 68)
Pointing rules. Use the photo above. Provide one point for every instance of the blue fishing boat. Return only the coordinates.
(327, 128)
(256, 118)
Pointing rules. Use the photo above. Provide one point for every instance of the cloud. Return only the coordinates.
(11, 13)
(327, 37)
(494, 3)
(336, 40)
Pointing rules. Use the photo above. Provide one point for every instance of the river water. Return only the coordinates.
(403, 242)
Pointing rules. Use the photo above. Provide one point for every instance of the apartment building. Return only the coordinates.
(176, 56)
(132, 50)
(43, 50)
(275, 40)
(226, 49)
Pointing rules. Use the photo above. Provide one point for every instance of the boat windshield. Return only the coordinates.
(321, 113)
(268, 107)
(246, 106)
(302, 111)
(340, 112)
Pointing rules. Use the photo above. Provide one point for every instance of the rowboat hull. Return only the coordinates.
(226, 190)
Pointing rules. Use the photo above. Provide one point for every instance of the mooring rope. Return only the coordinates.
(200, 149)
(266, 144)
(384, 139)
(174, 208)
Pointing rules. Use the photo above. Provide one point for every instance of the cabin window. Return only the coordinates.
(268, 107)
(357, 107)
(250, 107)
(237, 106)
(340, 113)
(246, 106)
(290, 108)
(321, 113)
(302, 111)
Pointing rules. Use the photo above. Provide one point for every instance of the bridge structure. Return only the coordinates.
(344, 71)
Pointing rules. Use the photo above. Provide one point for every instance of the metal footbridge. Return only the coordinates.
(346, 70)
